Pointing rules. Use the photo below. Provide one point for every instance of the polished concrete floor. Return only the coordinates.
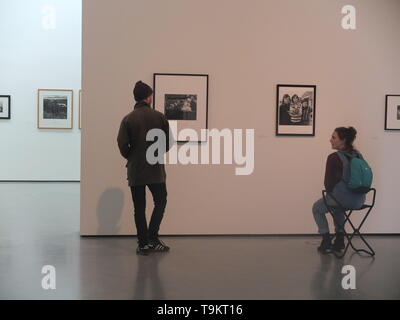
(40, 224)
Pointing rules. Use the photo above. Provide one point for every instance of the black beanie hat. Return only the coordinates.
(141, 91)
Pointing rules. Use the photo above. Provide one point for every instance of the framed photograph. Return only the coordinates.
(392, 112)
(183, 98)
(80, 109)
(55, 109)
(5, 107)
(295, 110)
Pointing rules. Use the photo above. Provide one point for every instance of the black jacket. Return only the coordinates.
(133, 145)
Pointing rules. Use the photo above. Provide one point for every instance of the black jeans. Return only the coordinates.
(159, 193)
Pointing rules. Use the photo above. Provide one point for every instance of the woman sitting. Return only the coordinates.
(337, 167)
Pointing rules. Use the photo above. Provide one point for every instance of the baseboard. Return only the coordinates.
(233, 235)
(40, 181)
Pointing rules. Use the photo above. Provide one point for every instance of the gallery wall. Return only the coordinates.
(247, 48)
(39, 51)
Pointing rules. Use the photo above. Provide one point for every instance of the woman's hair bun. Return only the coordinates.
(352, 132)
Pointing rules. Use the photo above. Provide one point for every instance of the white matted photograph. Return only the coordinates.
(5, 107)
(183, 98)
(295, 110)
(55, 109)
(392, 112)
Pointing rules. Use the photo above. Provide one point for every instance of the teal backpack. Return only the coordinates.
(359, 175)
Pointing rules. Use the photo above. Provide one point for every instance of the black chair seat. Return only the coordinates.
(363, 207)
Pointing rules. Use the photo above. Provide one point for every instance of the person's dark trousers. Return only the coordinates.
(159, 193)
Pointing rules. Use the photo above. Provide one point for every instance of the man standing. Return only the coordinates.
(133, 147)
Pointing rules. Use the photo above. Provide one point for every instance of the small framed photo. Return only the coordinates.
(392, 112)
(5, 107)
(80, 109)
(183, 98)
(55, 109)
(295, 110)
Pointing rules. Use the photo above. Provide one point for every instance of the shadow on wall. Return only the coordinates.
(109, 211)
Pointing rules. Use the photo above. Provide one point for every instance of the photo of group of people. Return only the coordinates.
(295, 108)
(181, 106)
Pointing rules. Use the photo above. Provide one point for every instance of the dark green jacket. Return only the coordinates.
(133, 145)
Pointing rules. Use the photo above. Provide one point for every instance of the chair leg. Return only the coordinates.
(356, 231)
(371, 251)
(350, 238)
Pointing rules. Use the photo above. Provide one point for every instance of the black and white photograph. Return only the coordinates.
(180, 106)
(295, 110)
(392, 112)
(5, 107)
(55, 108)
(183, 98)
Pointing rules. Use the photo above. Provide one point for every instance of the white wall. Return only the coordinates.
(33, 58)
(247, 48)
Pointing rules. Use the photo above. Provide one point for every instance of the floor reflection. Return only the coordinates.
(326, 282)
(148, 284)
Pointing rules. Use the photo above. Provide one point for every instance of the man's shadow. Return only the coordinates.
(109, 211)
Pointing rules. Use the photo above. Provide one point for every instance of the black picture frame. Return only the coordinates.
(199, 112)
(391, 112)
(303, 122)
(8, 98)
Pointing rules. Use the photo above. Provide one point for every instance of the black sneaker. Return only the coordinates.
(158, 246)
(326, 244)
(338, 243)
(143, 251)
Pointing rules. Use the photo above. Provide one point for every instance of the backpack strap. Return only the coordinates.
(345, 157)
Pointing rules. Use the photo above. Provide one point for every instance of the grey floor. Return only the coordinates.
(40, 226)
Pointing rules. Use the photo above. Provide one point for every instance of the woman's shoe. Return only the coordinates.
(338, 243)
(326, 244)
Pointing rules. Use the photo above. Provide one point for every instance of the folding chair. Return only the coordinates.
(356, 231)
